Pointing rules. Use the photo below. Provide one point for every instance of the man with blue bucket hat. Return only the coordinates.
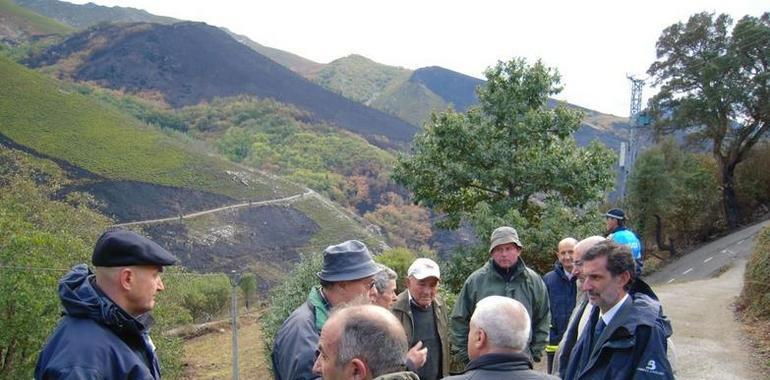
(347, 274)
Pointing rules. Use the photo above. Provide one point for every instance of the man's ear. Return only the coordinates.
(625, 278)
(126, 277)
(360, 371)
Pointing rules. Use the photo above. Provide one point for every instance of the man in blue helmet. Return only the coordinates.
(617, 232)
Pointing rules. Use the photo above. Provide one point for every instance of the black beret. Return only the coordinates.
(119, 248)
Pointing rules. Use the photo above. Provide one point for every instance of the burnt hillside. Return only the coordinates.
(189, 63)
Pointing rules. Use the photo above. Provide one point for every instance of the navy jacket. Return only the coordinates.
(568, 343)
(562, 293)
(96, 339)
(496, 366)
(632, 346)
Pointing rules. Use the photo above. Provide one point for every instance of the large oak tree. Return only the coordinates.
(509, 152)
(714, 87)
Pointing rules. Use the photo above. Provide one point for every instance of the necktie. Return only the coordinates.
(599, 328)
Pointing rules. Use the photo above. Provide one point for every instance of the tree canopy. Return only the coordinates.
(510, 152)
(714, 87)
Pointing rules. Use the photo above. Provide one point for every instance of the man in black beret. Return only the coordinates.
(104, 333)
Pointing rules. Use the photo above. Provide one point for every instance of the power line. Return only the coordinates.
(34, 269)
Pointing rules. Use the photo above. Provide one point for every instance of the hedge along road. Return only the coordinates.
(288, 199)
(709, 341)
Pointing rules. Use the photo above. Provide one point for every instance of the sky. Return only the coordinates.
(594, 45)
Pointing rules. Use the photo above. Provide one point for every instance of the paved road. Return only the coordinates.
(709, 342)
(219, 209)
(710, 259)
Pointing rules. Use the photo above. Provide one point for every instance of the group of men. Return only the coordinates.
(592, 315)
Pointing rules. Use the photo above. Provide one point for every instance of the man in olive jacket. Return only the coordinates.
(505, 274)
(424, 317)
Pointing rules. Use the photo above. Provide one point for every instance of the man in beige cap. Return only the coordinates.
(505, 274)
(424, 318)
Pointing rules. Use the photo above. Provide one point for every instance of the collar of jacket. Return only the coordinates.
(514, 271)
(82, 298)
(500, 362)
(617, 229)
(321, 306)
(637, 310)
(558, 267)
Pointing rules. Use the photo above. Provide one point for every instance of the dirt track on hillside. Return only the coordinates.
(708, 338)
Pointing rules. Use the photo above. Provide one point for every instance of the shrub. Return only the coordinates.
(755, 297)
(289, 295)
(753, 184)
(679, 186)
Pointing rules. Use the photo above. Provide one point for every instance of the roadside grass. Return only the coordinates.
(47, 116)
(753, 306)
(210, 356)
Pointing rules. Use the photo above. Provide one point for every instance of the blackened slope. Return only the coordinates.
(192, 62)
(458, 89)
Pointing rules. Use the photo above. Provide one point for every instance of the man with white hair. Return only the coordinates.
(497, 340)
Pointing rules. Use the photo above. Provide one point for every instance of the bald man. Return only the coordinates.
(562, 294)
(582, 310)
(497, 342)
(362, 343)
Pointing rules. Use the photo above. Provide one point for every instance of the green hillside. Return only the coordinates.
(360, 79)
(53, 119)
(26, 21)
(411, 102)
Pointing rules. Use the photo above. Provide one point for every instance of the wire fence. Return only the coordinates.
(189, 300)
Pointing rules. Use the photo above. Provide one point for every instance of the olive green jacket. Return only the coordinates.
(406, 375)
(403, 312)
(525, 286)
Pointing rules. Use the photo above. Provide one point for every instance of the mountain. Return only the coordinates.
(455, 88)
(19, 25)
(90, 14)
(359, 78)
(133, 172)
(188, 63)
(293, 62)
(414, 95)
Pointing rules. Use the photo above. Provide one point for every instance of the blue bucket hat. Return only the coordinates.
(347, 261)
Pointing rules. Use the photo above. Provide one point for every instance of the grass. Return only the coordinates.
(754, 302)
(46, 116)
(210, 356)
(31, 22)
(335, 226)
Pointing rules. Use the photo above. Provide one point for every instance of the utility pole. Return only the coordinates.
(235, 279)
(628, 152)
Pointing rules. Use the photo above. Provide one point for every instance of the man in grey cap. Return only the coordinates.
(505, 274)
(104, 333)
(347, 274)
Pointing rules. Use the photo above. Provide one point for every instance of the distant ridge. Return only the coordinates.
(188, 63)
(90, 14)
(455, 88)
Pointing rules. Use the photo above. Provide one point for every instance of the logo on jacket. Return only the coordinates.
(651, 368)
